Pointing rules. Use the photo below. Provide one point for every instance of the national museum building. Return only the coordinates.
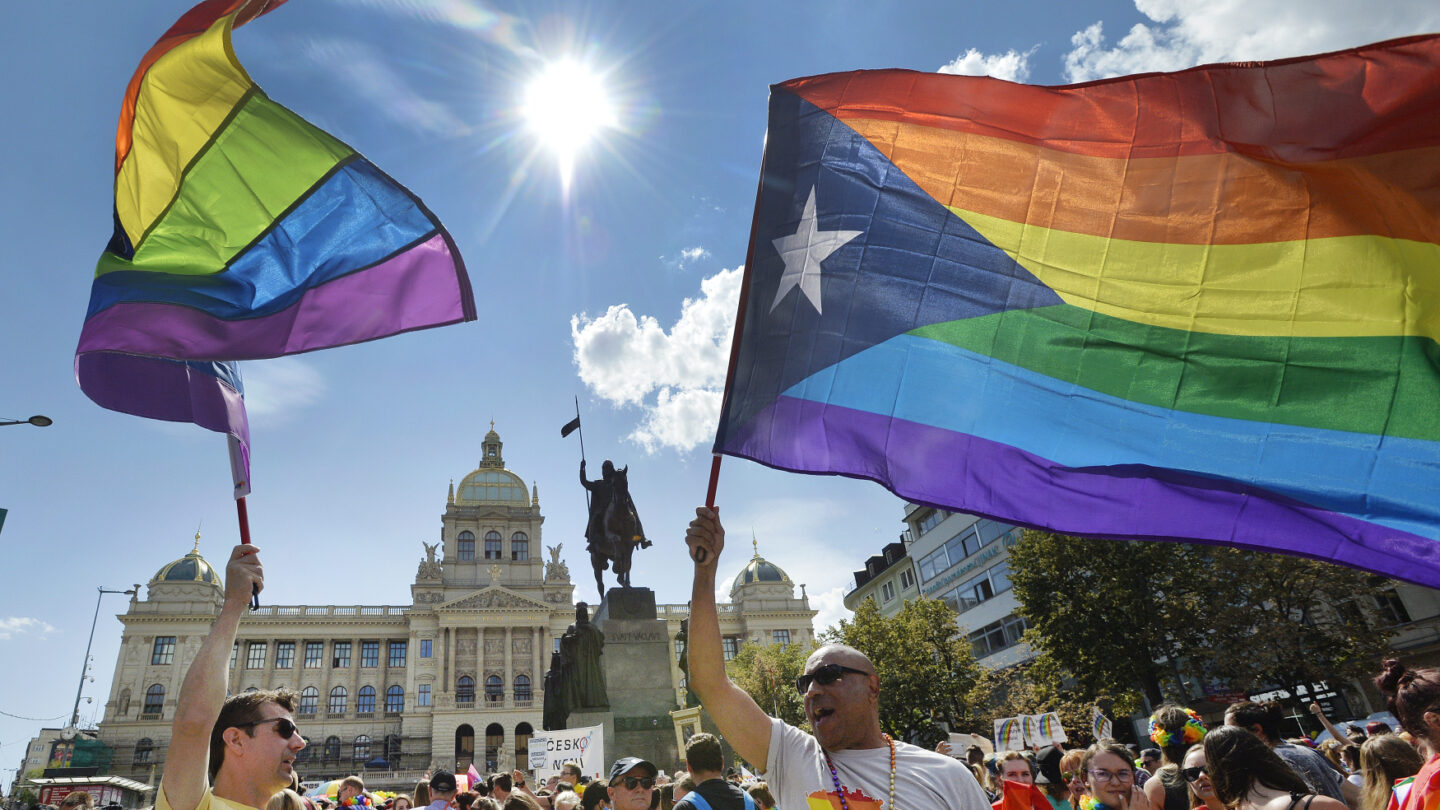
(393, 690)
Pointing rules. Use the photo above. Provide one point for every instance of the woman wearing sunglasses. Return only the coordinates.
(1192, 770)
(1107, 778)
(1247, 775)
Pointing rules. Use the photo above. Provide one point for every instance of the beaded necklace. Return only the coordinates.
(835, 777)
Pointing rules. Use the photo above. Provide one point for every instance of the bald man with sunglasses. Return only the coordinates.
(849, 755)
(228, 754)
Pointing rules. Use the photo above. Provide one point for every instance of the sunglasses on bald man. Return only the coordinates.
(826, 675)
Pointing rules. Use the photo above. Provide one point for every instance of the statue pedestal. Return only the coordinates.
(637, 663)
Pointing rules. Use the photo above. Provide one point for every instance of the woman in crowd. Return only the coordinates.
(1107, 777)
(402, 802)
(1175, 730)
(1247, 775)
(1413, 696)
(1350, 755)
(422, 794)
(1385, 760)
(1195, 774)
(1070, 773)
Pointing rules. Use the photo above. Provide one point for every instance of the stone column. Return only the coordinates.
(508, 676)
(445, 661)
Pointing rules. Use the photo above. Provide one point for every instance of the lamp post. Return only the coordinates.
(85, 664)
(37, 421)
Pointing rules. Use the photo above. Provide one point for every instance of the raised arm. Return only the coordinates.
(1319, 713)
(740, 720)
(203, 692)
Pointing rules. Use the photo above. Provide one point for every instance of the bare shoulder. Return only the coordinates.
(1327, 803)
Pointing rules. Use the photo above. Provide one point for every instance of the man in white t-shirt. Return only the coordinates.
(848, 757)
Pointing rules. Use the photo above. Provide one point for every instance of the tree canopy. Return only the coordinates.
(768, 673)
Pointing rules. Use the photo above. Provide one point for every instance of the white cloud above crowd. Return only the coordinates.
(11, 626)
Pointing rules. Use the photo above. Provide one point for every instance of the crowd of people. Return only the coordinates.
(239, 753)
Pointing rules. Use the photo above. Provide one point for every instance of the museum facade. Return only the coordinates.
(452, 678)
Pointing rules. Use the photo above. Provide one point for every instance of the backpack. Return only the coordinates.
(694, 798)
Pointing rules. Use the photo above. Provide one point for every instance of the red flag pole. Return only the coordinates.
(244, 518)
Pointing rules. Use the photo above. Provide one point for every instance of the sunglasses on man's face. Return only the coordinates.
(284, 726)
(826, 675)
(632, 782)
(1191, 774)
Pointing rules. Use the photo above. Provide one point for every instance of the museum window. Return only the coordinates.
(255, 655)
(332, 748)
(492, 545)
(284, 654)
(144, 751)
(365, 700)
(394, 700)
(494, 689)
(465, 546)
(781, 637)
(234, 654)
(522, 691)
(314, 654)
(731, 645)
(494, 738)
(164, 650)
(422, 696)
(369, 654)
(519, 546)
(465, 690)
(424, 648)
(309, 701)
(362, 748)
(398, 651)
(523, 733)
(341, 659)
(338, 697)
(154, 701)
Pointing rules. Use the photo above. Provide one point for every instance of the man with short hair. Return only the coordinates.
(848, 753)
(352, 791)
(570, 772)
(228, 754)
(706, 762)
(1263, 720)
(1150, 760)
(443, 788)
(632, 783)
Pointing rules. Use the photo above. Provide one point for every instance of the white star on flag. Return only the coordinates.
(803, 251)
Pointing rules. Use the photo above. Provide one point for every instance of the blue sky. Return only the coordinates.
(619, 289)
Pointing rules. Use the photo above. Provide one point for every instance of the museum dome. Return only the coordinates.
(759, 570)
(491, 483)
(190, 568)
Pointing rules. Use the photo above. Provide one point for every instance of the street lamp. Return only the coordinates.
(37, 421)
(85, 664)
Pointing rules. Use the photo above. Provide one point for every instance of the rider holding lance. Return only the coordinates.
(611, 508)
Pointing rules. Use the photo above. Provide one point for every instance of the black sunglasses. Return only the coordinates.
(284, 726)
(1191, 774)
(632, 782)
(826, 675)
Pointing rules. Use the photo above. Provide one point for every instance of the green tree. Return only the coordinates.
(1035, 687)
(925, 667)
(768, 673)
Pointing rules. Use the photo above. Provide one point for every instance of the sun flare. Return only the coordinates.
(567, 106)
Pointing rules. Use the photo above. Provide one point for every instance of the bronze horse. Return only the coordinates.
(622, 532)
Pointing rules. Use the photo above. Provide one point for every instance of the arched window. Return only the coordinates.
(124, 702)
(522, 690)
(394, 701)
(522, 742)
(465, 690)
(362, 748)
(494, 738)
(337, 700)
(332, 748)
(306, 753)
(365, 700)
(309, 701)
(519, 546)
(494, 689)
(492, 545)
(144, 751)
(154, 700)
(464, 746)
(466, 545)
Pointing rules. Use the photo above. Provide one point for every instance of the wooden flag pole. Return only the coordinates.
(244, 517)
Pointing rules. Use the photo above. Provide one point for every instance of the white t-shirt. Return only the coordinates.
(800, 780)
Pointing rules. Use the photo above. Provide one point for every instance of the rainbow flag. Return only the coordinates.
(1199, 306)
(242, 231)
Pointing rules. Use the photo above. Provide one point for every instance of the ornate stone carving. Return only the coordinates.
(494, 647)
(556, 598)
(520, 645)
(556, 570)
(429, 567)
(465, 646)
(494, 599)
(428, 598)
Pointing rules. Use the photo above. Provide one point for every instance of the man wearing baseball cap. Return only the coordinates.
(631, 781)
(442, 790)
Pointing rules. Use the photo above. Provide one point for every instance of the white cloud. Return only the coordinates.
(695, 254)
(831, 607)
(1012, 65)
(369, 77)
(673, 376)
(276, 390)
(1182, 34)
(19, 625)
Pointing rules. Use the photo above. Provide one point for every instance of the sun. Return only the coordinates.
(567, 106)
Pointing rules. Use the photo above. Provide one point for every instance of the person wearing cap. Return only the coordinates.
(443, 788)
(631, 783)
(848, 752)
(1049, 778)
(705, 759)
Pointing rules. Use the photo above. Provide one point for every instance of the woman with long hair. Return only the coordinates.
(1197, 777)
(1413, 696)
(401, 802)
(1247, 775)
(1384, 760)
(1174, 729)
(1107, 779)
(422, 794)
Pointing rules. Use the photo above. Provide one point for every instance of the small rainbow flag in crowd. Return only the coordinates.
(1201, 305)
(1100, 726)
(1009, 735)
(242, 232)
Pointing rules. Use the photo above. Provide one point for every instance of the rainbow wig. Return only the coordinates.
(1192, 732)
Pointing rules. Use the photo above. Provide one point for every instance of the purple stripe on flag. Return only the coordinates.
(162, 389)
(958, 471)
(413, 290)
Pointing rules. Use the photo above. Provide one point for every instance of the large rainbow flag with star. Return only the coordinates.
(242, 231)
(1201, 305)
